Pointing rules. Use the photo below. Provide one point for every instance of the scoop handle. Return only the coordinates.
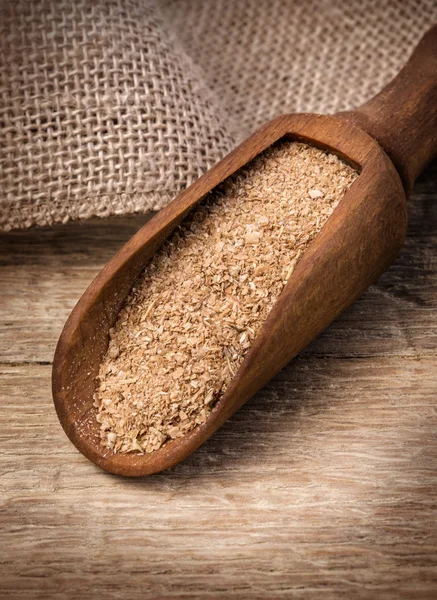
(402, 118)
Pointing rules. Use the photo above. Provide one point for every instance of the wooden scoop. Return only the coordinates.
(389, 141)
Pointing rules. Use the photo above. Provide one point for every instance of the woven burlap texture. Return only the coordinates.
(113, 107)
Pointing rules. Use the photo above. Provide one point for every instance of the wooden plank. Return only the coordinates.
(323, 484)
(44, 271)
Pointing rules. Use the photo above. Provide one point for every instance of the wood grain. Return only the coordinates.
(323, 485)
(314, 486)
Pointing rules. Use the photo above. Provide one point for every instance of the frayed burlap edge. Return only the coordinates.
(26, 216)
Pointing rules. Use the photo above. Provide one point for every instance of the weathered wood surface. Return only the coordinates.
(324, 485)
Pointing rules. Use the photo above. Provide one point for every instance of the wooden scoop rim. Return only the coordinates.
(328, 132)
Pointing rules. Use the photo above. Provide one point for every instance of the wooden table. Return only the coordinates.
(324, 485)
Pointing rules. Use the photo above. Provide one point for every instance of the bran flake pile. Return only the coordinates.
(193, 313)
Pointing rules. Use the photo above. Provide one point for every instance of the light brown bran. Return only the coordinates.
(193, 313)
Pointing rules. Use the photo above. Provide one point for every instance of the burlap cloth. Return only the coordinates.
(112, 107)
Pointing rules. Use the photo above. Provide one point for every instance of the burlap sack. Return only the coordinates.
(114, 106)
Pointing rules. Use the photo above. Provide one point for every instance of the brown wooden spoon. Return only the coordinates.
(389, 141)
